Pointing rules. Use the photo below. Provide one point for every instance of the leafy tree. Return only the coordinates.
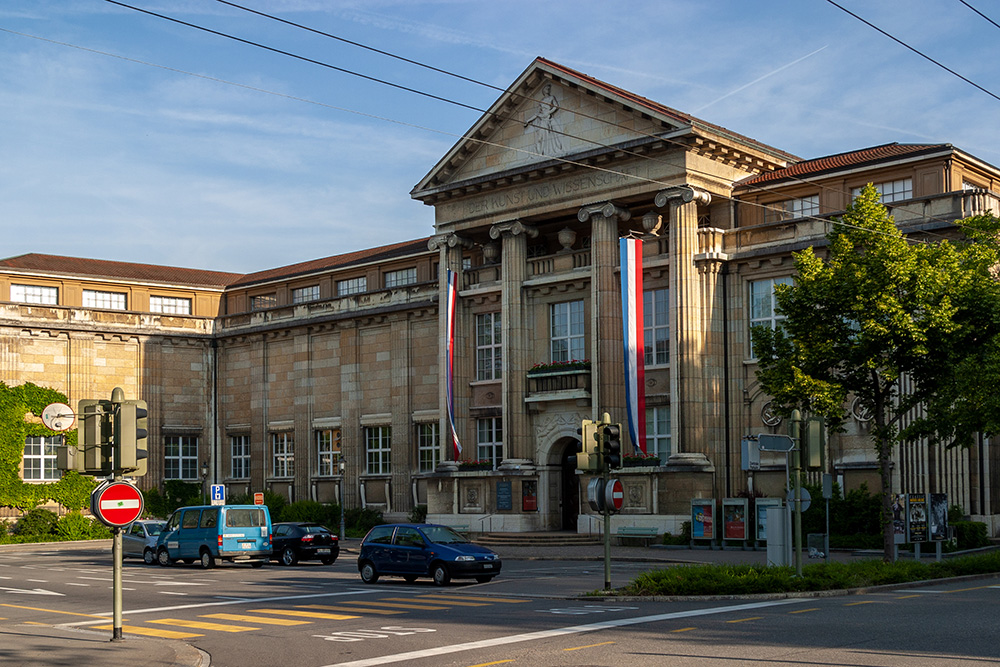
(880, 309)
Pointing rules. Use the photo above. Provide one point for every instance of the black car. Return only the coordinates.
(295, 541)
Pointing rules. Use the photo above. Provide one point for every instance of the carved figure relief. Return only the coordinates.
(545, 125)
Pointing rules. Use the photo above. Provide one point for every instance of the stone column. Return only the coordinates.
(687, 320)
(607, 374)
(519, 446)
(449, 247)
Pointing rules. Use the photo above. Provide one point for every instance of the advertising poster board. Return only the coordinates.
(898, 518)
(937, 517)
(761, 505)
(529, 495)
(916, 517)
(703, 519)
(734, 519)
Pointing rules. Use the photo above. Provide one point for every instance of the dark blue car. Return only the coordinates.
(411, 550)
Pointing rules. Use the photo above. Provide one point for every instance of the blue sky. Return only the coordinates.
(132, 158)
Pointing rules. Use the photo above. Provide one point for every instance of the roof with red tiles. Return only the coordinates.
(849, 160)
(378, 254)
(99, 268)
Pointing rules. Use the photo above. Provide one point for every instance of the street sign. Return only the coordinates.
(614, 495)
(218, 494)
(58, 417)
(258, 498)
(595, 494)
(775, 442)
(117, 504)
(806, 498)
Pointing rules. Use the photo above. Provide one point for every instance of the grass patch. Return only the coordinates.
(755, 579)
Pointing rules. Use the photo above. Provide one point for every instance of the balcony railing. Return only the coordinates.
(557, 385)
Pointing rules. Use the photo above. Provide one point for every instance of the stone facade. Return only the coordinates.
(325, 380)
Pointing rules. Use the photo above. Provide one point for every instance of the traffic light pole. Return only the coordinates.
(605, 475)
(117, 397)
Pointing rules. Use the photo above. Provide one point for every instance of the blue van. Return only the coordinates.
(207, 533)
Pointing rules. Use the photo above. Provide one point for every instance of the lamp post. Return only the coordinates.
(204, 477)
(341, 467)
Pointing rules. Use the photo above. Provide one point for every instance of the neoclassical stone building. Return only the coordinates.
(328, 377)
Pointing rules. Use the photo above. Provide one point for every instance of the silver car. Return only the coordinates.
(140, 540)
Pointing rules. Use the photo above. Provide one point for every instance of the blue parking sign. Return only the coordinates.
(218, 494)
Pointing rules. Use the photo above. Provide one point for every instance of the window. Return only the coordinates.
(40, 458)
(263, 301)
(656, 326)
(304, 294)
(763, 307)
(566, 331)
(180, 457)
(489, 440)
(792, 208)
(428, 447)
(239, 447)
(401, 277)
(48, 296)
(327, 452)
(282, 454)
(106, 300)
(658, 432)
(378, 440)
(169, 305)
(352, 286)
(488, 350)
(891, 191)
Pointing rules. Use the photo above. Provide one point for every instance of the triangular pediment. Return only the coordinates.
(549, 115)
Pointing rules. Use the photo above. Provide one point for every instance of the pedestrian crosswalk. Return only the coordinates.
(256, 619)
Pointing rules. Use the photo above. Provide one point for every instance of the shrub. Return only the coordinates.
(418, 514)
(325, 514)
(359, 521)
(37, 522)
(74, 526)
(683, 538)
(971, 534)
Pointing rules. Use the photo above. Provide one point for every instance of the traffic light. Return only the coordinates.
(589, 452)
(93, 433)
(130, 438)
(613, 445)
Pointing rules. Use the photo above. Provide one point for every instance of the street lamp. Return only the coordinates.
(341, 467)
(204, 477)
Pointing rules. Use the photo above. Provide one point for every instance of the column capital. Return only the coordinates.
(684, 193)
(449, 240)
(605, 209)
(512, 228)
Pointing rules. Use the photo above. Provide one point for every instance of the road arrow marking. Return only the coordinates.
(37, 591)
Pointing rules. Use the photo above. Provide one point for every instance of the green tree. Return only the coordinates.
(880, 309)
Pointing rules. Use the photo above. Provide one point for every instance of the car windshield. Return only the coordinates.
(314, 529)
(442, 535)
(154, 528)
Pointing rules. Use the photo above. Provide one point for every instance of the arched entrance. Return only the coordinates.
(570, 487)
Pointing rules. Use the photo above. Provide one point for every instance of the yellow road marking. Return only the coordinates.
(906, 597)
(577, 648)
(150, 632)
(802, 611)
(443, 601)
(305, 614)
(487, 664)
(53, 611)
(962, 590)
(254, 619)
(395, 605)
(743, 620)
(855, 604)
(682, 629)
(34, 623)
(202, 625)
(351, 610)
(470, 597)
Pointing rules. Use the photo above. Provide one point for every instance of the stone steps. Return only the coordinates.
(554, 539)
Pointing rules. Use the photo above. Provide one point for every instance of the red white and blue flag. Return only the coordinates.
(634, 347)
(452, 299)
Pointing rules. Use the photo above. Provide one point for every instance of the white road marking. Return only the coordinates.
(555, 632)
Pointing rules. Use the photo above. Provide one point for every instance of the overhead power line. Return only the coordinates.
(995, 24)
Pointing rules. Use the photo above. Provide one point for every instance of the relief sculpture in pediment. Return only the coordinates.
(546, 124)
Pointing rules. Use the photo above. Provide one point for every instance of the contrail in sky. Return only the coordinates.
(759, 79)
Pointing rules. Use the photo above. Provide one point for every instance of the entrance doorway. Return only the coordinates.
(570, 488)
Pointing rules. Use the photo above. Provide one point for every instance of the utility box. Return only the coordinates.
(777, 537)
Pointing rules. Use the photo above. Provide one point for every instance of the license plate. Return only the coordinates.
(246, 545)
(488, 566)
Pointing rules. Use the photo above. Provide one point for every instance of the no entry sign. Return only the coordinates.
(117, 504)
(614, 495)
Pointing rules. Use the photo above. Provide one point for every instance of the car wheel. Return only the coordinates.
(369, 574)
(207, 561)
(441, 574)
(484, 580)
(163, 558)
(148, 557)
(410, 578)
(288, 556)
(327, 560)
